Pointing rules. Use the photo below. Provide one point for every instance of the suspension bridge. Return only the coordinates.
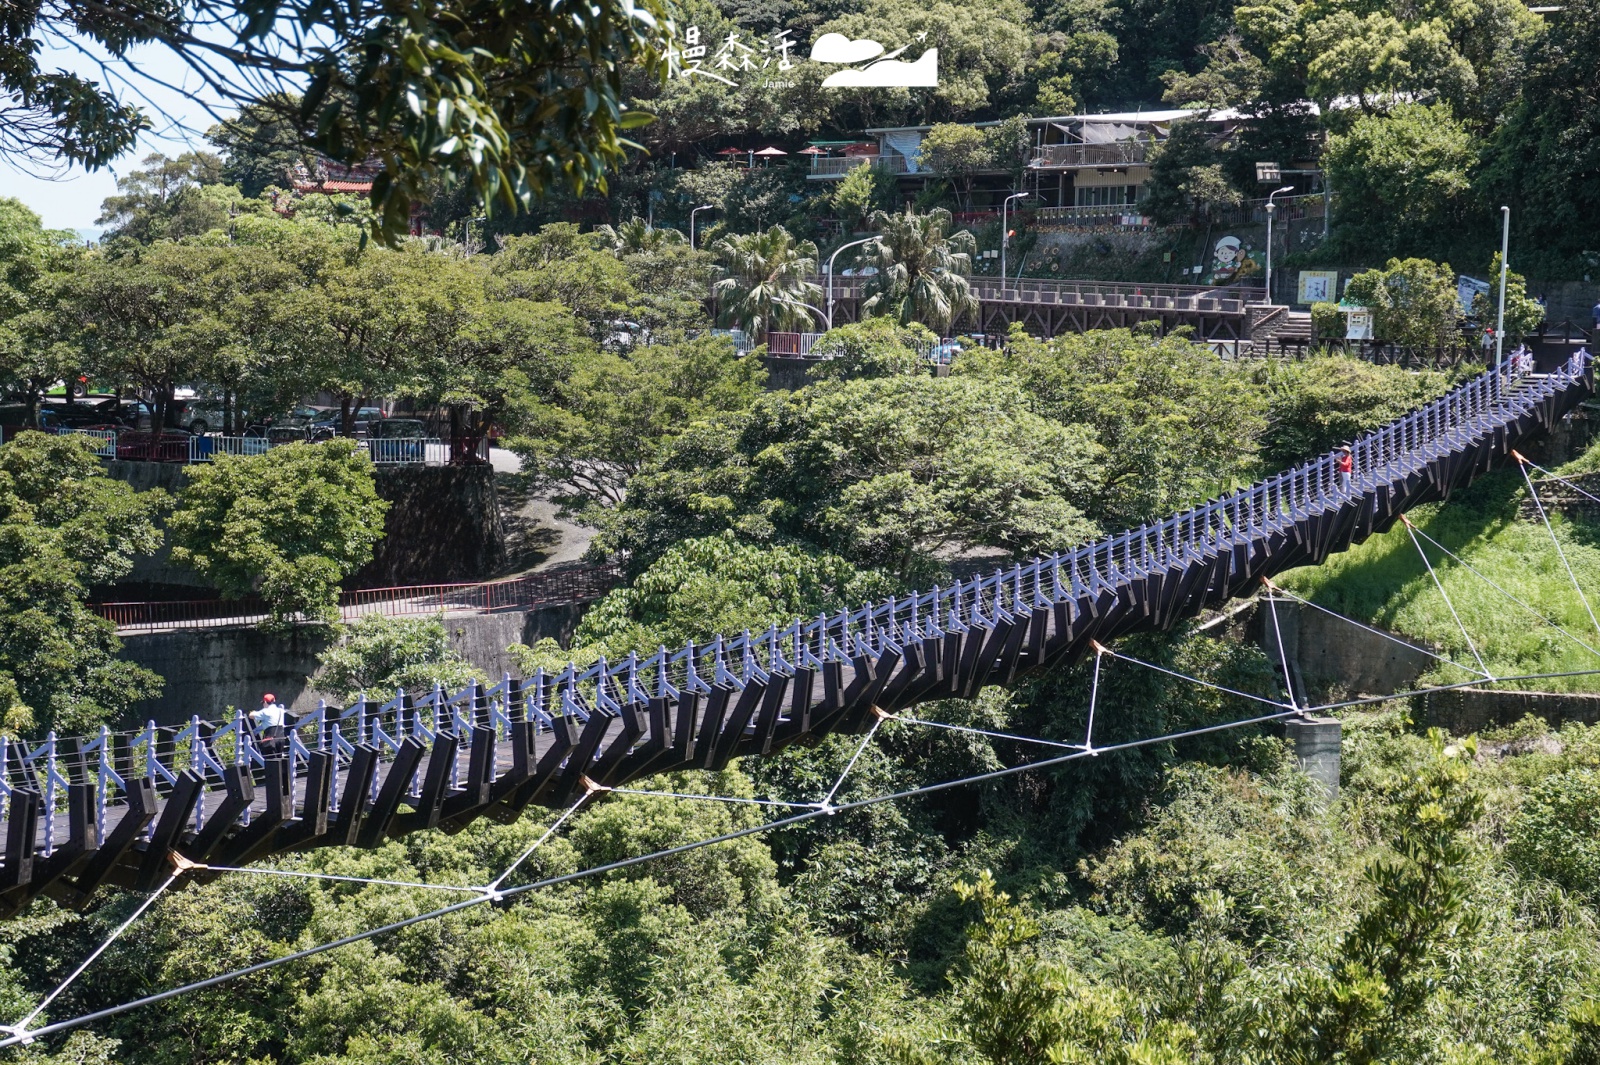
(148, 808)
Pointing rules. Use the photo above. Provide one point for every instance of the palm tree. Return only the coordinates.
(764, 278)
(922, 269)
(634, 236)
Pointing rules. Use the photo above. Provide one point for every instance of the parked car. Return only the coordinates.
(93, 413)
(365, 417)
(198, 416)
(296, 434)
(15, 416)
(397, 440)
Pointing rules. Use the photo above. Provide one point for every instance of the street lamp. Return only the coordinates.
(835, 255)
(1270, 208)
(1500, 321)
(697, 210)
(827, 319)
(1006, 203)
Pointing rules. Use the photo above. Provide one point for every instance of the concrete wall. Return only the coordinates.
(207, 670)
(1327, 650)
(1461, 712)
(444, 524)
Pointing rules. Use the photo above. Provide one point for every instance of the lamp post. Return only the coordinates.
(835, 255)
(1270, 208)
(697, 210)
(827, 319)
(1004, 205)
(1500, 320)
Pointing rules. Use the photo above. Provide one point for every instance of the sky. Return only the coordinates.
(72, 200)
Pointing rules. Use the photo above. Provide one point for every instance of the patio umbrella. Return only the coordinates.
(813, 150)
(771, 152)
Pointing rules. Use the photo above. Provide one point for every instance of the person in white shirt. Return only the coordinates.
(270, 724)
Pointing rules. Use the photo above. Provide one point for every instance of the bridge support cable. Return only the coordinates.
(714, 798)
(1470, 568)
(878, 718)
(335, 877)
(1371, 700)
(1437, 583)
(1569, 482)
(1533, 493)
(1368, 628)
(1100, 652)
(20, 1031)
(1288, 708)
(903, 719)
(1283, 656)
(492, 889)
(17, 1037)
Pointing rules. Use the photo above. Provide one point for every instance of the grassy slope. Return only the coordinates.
(1384, 582)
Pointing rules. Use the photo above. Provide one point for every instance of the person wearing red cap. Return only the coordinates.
(270, 725)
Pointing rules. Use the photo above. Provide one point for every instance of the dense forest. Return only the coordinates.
(1198, 900)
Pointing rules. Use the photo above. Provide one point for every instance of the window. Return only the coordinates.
(1105, 195)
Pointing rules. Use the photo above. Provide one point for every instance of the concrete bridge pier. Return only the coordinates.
(1316, 748)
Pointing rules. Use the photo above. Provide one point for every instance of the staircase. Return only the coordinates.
(1280, 331)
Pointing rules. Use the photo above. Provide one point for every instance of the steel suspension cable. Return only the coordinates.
(1437, 583)
(1522, 465)
(18, 1038)
(1375, 631)
(1523, 604)
(21, 1027)
(1283, 657)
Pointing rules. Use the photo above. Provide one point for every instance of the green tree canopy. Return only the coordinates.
(763, 277)
(887, 473)
(379, 655)
(1171, 422)
(1413, 302)
(288, 526)
(511, 99)
(64, 528)
(874, 347)
(922, 269)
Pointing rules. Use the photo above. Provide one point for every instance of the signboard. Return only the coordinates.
(1269, 172)
(1358, 324)
(1466, 288)
(1318, 286)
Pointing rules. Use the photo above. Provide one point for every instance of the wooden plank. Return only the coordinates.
(435, 786)
(83, 839)
(313, 822)
(22, 828)
(137, 815)
(257, 838)
(175, 815)
(734, 727)
(375, 826)
(241, 792)
(461, 809)
(357, 787)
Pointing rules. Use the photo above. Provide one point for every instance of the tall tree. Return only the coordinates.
(513, 98)
(765, 276)
(921, 268)
(64, 528)
(289, 526)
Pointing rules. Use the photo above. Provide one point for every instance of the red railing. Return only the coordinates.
(578, 585)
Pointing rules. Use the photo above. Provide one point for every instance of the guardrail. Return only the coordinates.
(576, 585)
(1068, 156)
(839, 166)
(132, 445)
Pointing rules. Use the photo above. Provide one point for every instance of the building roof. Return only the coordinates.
(1135, 117)
(333, 186)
